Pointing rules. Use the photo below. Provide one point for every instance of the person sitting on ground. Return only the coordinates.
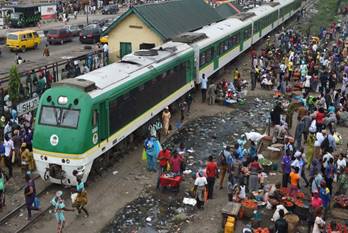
(281, 225)
(276, 196)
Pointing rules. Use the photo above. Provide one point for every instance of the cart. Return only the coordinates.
(170, 182)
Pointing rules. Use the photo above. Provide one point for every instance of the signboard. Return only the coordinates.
(48, 12)
(27, 106)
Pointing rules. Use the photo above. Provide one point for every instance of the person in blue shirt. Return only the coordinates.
(239, 151)
(152, 149)
(59, 208)
(325, 196)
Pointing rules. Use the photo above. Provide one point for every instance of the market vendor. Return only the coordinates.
(254, 167)
(276, 196)
(343, 183)
(175, 163)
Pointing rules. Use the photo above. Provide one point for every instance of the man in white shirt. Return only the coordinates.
(326, 159)
(9, 147)
(319, 223)
(201, 184)
(106, 54)
(204, 86)
(341, 163)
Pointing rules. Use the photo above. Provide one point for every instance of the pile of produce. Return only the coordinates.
(298, 203)
(261, 230)
(250, 204)
(342, 200)
(265, 162)
(300, 195)
(290, 202)
(339, 228)
(284, 191)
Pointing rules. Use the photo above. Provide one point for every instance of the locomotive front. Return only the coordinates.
(60, 134)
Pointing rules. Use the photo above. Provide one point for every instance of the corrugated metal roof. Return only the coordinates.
(172, 18)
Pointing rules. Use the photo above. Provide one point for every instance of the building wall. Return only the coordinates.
(132, 30)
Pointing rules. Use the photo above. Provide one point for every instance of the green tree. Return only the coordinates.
(14, 84)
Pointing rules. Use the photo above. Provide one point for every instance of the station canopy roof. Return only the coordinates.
(171, 18)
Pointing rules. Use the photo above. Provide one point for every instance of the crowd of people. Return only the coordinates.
(309, 76)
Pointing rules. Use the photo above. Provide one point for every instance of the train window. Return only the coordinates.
(212, 53)
(221, 48)
(202, 59)
(163, 76)
(95, 118)
(62, 117)
(177, 68)
(49, 116)
(171, 72)
(153, 81)
(208, 55)
(69, 118)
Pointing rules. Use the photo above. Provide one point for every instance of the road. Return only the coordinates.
(8, 58)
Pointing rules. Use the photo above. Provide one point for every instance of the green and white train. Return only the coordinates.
(81, 119)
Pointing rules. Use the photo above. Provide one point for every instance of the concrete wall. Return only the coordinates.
(132, 30)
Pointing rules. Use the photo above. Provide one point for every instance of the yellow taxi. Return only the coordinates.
(104, 40)
(23, 40)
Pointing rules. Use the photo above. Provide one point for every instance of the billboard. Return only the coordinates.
(48, 12)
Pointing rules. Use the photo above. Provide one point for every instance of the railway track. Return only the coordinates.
(16, 221)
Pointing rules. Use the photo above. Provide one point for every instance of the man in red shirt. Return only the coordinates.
(212, 173)
(163, 158)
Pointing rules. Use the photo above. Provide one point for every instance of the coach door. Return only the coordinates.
(216, 57)
(103, 123)
(241, 40)
(99, 123)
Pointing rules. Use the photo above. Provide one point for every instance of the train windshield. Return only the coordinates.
(59, 117)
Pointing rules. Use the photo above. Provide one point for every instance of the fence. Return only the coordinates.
(58, 69)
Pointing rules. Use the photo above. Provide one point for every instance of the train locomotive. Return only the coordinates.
(80, 120)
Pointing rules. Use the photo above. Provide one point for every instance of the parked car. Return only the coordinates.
(59, 36)
(106, 26)
(74, 29)
(110, 9)
(22, 40)
(90, 34)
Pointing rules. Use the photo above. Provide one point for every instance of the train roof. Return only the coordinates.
(220, 30)
(263, 10)
(130, 67)
(224, 28)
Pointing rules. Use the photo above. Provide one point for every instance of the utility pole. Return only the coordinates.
(87, 13)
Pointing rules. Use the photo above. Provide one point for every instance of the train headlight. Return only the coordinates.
(62, 100)
(67, 161)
